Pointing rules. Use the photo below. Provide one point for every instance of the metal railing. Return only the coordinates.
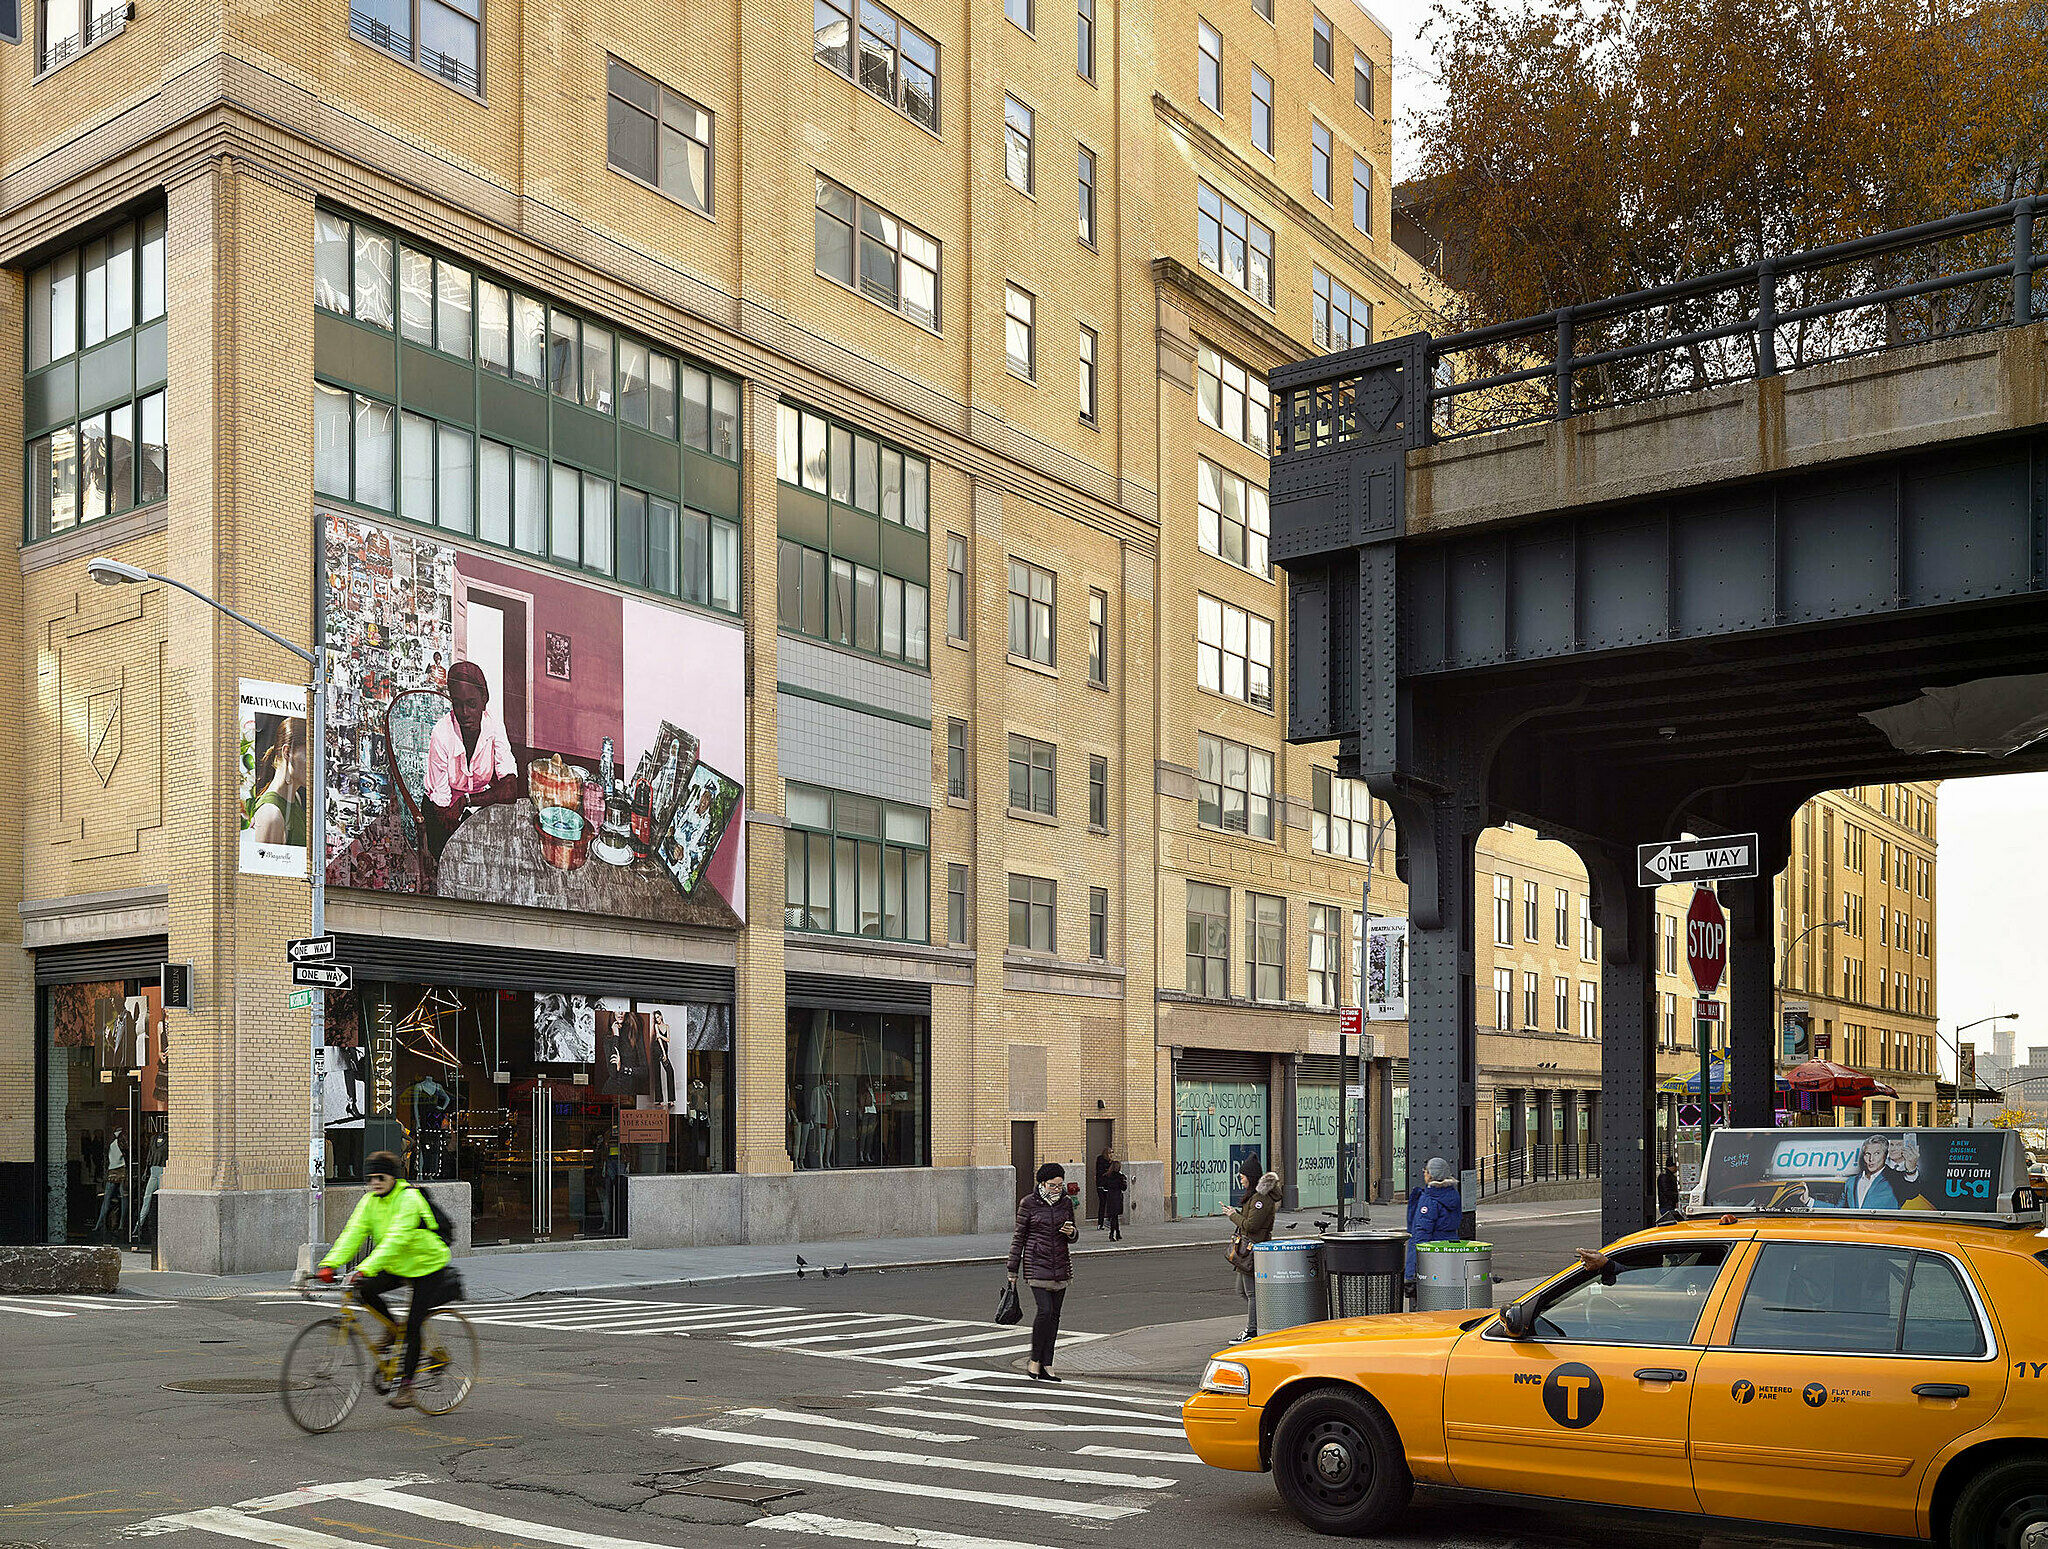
(1943, 279)
(1560, 1162)
(381, 34)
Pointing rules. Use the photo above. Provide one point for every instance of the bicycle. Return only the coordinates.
(330, 1360)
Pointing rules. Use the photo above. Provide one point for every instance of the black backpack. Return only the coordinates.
(444, 1228)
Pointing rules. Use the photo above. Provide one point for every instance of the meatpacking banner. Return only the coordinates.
(1969, 1172)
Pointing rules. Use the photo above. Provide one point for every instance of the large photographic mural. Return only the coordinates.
(510, 735)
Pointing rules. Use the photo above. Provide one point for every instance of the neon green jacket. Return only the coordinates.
(403, 1225)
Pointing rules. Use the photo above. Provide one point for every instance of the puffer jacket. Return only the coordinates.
(1436, 1213)
(1037, 1250)
(1254, 1218)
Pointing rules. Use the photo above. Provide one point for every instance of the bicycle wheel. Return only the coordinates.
(451, 1360)
(322, 1376)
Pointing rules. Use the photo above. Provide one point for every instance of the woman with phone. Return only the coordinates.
(1045, 1225)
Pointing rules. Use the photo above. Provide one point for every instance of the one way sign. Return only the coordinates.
(1696, 860)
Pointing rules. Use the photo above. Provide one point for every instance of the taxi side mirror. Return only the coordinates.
(1519, 1319)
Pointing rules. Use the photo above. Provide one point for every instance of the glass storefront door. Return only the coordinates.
(106, 1118)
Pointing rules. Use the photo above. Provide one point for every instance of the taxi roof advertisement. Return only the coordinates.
(1966, 1172)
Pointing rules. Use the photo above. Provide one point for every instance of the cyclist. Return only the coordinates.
(409, 1251)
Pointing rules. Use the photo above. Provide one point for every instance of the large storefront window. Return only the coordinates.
(1217, 1126)
(858, 1089)
(542, 1103)
(1316, 1150)
(1397, 1125)
(106, 1119)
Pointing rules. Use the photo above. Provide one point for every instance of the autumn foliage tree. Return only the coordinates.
(1583, 150)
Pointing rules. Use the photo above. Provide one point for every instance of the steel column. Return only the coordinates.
(1628, 1067)
(1752, 1005)
(1443, 1054)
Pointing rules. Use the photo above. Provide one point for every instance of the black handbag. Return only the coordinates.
(1008, 1309)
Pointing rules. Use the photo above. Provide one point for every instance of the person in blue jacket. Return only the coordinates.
(1436, 1211)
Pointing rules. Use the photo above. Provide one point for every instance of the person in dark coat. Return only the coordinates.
(1114, 1187)
(1045, 1225)
(1253, 1215)
(1667, 1188)
(1103, 1161)
(1436, 1211)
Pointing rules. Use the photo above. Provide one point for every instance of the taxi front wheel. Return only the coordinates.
(1338, 1463)
(1999, 1507)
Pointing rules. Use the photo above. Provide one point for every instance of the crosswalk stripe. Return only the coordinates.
(937, 1359)
(833, 1339)
(867, 1427)
(230, 1523)
(954, 1340)
(826, 1449)
(1000, 1423)
(854, 1324)
(602, 1317)
(1104, 1410)
(1137, 1455)
(880, 1533)
(1005, 1382)
(34, 1312)
(782, 1473)
(491, 1522)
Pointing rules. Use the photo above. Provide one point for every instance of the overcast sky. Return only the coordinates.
(1412, 80)
(1992, 907)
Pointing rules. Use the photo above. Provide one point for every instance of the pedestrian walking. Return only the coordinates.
(1436, 1211)
(1114, 1187)
(1253, 1216)
(1103, 1161)
(1667, 1188)
(1038, 1250)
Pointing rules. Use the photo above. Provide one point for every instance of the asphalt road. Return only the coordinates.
(877, 1407)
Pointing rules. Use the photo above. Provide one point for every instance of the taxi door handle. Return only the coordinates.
(1660, 1374)
(1942, 1390)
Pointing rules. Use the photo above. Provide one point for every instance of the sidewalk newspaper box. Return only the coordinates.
(1978, 1173)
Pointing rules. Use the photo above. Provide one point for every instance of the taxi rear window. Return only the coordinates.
(1839, 1297)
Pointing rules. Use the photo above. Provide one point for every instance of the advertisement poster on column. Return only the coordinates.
(1218, 1124)
(273, 779)
(507, 734)
(1386, 970)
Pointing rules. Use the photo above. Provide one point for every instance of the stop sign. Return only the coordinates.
(1706, 940)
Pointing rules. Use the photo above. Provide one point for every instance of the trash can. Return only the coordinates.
(1287, 1284)
(1365, 1270)
(1453, 1274)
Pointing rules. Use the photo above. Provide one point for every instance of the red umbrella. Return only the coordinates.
(1826, 1078)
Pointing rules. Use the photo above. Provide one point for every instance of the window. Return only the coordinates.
(1032, 593)
(1361, 80)
(1504, 999)
(956, 760)
(1670, 1011)
(956, 904)
(1031, 906)
(1020, 332)
(1644, 1296)
(1233, 653)
(1853, 1299)
(1343, 319)
(855, 866)
(1667, 931)
(1098, 793)
(1234, 787)
(1589, 1009)
(1233, 245)
(898, 265)
(1098, 924)
(1017, 153)
(1586, 927)
(1232, 398)
(1532, 1000)
(658, 136)
(1098, 638)
(1262, 110)
(1084, 39)
(897, 63)
(1085, 176)
(354, 453)
(1319, 159)
(1019, 11)
(1208, 946)
(1265, 946)
(1324, 49)
(441, 39)
(70, 27)
(1532, 915)
(1503, 910)
(869, 487)
(1087, 380)
(1210, 81)
(1031, 775)
(956, 587)
(1264, 8)
(1561, 903)
(1325, 948)
(1561, 993)
(1342, 820)
(1235, 521)
(1361, 202)
(106, 296)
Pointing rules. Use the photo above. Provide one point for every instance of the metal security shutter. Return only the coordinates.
(138, 957)
(1222, 1065)
(831, 992)
(403, 960)
(1323, 1067)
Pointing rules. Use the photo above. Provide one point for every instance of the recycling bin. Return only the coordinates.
(1287, 1284)
(1453, 1274)
(1365, 1270)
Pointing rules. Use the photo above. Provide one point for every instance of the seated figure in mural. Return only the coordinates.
(469, 759)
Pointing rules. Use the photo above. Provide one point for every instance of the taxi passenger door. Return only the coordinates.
(1593, 1405)
(1848, 1367)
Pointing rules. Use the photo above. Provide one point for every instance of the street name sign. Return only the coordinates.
(301, 1000)
(1696, 860)
(1350, 1022)
(326, 976)
(310, 949)
(1706, 940)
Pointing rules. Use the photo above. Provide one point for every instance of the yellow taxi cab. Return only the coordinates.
(1877, 1368)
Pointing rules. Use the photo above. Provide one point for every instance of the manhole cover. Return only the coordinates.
(229, 1385)
(721, 1490)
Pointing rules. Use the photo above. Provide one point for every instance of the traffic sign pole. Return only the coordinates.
(1706, 954)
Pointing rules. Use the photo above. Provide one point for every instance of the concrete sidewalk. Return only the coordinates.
(506, 1274)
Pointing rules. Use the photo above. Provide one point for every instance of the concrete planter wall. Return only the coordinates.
(683, 1210)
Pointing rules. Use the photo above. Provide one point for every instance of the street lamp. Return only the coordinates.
(1953, 1043)
(115, 572)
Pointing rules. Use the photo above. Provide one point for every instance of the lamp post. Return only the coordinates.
(1954, 1043)
(114, 572)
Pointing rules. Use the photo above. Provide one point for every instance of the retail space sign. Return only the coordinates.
(1386, 969)
(1218, 1126)
(1964, 1171)
(273, 778)
(504, 734)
